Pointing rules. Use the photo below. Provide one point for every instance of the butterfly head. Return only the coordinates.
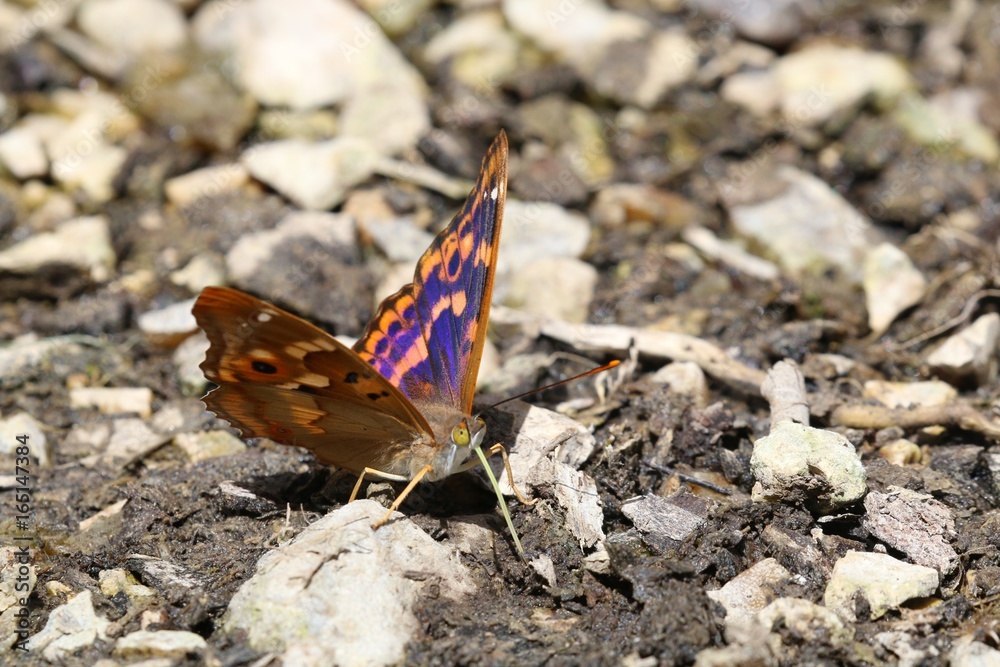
(469, 432)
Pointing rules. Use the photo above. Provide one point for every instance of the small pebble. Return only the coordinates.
(160, 643)
(559, 288)
(751, 590)
(113, 400)
(211, 181)
(170, 325)
(314, 176)
(209, 444)
(83, 243)
(892, 284)
(969, 354)
(817, 466)
(70, 627)
(910, 394)
(885, 582)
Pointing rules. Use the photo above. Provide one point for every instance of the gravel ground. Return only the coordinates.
(781, 216)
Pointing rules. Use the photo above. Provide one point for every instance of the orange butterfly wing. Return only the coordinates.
(428, 338)
(282, 378)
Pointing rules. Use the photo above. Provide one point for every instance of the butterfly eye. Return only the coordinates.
(460, 435)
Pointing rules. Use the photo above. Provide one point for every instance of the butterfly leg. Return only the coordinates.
(376, 473)
(402, 496)
(510, 473)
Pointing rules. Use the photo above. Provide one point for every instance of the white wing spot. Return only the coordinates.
(493, 195)
(263, 317)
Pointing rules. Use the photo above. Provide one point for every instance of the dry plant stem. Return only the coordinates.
(615, 339)
(970, 306)
(877, 417)
(785, 391)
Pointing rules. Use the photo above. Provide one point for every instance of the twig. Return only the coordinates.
(688, 478)
(785, 390)
(878, 417)
(967, 311)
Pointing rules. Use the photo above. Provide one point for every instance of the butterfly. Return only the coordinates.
(398, 405)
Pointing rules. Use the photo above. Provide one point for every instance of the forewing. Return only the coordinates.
(282, 378)
(427, 339)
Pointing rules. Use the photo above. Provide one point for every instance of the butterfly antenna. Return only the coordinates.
(593, 371)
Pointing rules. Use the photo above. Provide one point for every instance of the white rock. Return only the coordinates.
(555, 288)
(187, 360)
(936, 123)
(345, 592)
(22, 153)
(966, 651)
(203, 270)
(822, 80)
(537, 230)
(751, 590)
(576, 492)
(312, 53)
(672, 61)
(400, 239)
(820, 467)
(396, 18)
(115, 581)
(133, 26)
(805, 619)
(686, 379)
(92, 172)
(756, 91)
(892, 284)
(12, 592)
(321, 230)
(915, 524)
(314, 176)
(160, 643)
(901, 452)
(206, 182)
(675, 517)
(131, 440)
(546, 453)
(23, 430)
(884, 581)
(478, 45)
(84, 243)
(168, 323)
(70, 627)
(543, 432)
(209, 444)
(729, 253)
(807, 228)
(576, 31)
(971, 353)
(113, 400)
(910, 394)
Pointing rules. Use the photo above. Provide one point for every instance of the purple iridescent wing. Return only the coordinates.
(427, 339)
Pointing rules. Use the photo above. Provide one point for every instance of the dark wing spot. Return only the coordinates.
(263, 367)
(409, 313)
(373, 396)
(394, 328)
(454, 263)
(382, 345)
(385, 394)
(352, 378)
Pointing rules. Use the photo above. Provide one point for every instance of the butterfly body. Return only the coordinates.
(399, 404)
